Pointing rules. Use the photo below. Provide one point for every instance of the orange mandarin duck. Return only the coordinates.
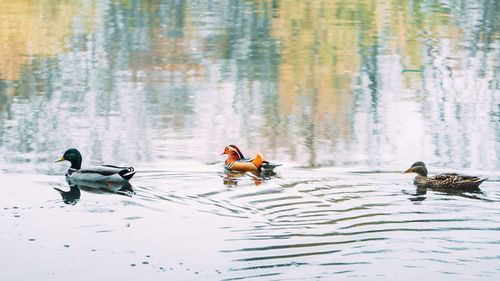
(237, 162)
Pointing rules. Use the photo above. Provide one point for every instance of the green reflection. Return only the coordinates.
(315, 83)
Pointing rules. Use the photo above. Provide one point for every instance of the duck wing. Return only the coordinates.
(125, 172)
(104, 173)
(456, 180)
(457, 177)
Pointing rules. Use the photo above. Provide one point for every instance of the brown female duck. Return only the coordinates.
(449, 180)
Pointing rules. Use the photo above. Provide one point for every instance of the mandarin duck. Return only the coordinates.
(448, 180)
(104, 173)
(237, 162)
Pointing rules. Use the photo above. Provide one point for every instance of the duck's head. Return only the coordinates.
(72, 155)
(233, 154)
(417, 167)
(233, 151)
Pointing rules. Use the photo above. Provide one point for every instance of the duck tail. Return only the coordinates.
(257, 161)
(269, 166)
(127, 173)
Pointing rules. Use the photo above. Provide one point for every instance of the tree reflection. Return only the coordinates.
(319, 83)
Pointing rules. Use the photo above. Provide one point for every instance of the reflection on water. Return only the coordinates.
(317, 84)
(421, 192)
(231, 177)
(325, 87)
(72, 196)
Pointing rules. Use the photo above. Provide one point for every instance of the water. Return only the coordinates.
(345, 94)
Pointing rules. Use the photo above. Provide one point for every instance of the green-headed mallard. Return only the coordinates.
(103, 173)
(449, 180)
(237, 162)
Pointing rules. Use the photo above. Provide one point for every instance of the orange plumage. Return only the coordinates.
(237, 162)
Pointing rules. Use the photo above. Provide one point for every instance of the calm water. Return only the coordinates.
(345, 94)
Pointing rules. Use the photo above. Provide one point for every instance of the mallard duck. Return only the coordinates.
(449, 180)
(237, 162)
(103, 173)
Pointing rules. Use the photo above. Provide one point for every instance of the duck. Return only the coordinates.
(109, 174)
(237, 162)
(445, 181)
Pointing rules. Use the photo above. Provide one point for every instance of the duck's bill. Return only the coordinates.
(59, 160)
(407, 171)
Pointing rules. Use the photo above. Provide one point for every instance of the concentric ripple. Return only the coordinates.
(343, 223)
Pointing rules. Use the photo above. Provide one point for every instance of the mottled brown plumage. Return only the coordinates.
(450, 180)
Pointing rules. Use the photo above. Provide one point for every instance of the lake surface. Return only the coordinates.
(344, 94)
